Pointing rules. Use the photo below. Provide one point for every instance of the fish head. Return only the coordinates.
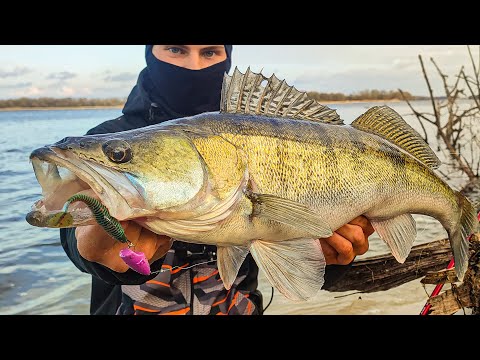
(133, 173)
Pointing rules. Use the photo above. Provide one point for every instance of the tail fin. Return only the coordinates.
(459, 236)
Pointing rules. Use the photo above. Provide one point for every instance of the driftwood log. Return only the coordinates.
(465, 295)
(430, 260)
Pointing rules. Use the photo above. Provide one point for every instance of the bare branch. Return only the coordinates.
(458, 78)
(447, 177)
(444, 78)
(454, 120)
(417, 114)
(459, 131)
(467, 112)
(472, 152)
(475, 97)
(430, 91)
(476, 72)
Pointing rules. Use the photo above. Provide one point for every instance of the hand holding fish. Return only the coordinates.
(95, 244)
(347, 242)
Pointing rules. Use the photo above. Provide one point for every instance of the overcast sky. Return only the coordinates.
(111, 70)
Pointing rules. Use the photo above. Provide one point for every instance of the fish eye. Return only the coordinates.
(117, 151)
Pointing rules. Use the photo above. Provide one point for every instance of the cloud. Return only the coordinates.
(67, 91)
(61, 91)
(358, 79)
(62, 76)
(85, 91)
(118, 91)
(28, 92)
(16, 86)
(16, 72)
(121, 77)
(405, 64)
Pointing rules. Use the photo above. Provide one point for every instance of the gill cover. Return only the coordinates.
(167, 170)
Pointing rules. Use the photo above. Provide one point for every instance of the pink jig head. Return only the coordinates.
(136, 261)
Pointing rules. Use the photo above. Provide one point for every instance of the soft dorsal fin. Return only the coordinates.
(388, 124)
(245, 94)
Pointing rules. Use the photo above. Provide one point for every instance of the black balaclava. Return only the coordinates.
(185, 92)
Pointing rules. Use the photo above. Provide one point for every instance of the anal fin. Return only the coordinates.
(399, 233)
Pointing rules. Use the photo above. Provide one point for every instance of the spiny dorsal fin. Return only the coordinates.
(388, 124)
(245, 94)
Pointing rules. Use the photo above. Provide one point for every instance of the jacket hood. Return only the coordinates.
(174, 92)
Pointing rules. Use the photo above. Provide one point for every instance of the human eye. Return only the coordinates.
(174, 50)
(209, 54)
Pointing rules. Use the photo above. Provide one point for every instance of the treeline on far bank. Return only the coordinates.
(59, 102)
(364, 95)
(48, 102)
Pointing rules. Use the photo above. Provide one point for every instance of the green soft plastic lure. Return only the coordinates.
(135, 260)
(102, 216)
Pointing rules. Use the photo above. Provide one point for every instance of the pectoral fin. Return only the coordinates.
(229, 260)
(291, 213)
(399, 233)
(295, 267)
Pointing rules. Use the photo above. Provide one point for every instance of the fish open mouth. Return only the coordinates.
(62, 174)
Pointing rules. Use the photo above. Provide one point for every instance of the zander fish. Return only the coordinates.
(270, 173)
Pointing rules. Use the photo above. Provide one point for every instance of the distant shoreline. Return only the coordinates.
(62, 108)
(121, 106)
(359, 101)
